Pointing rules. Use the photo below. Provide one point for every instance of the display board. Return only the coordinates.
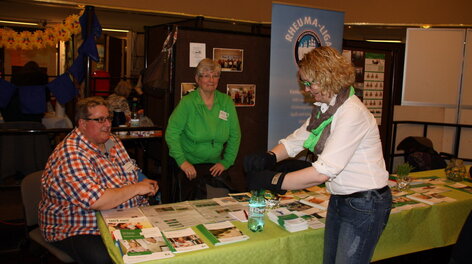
(295, 31)
(245, 77)
(433, 66)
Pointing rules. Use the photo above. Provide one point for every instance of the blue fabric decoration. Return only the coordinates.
(96, 29)
(32, 99)
(89, 46)
(77, 69)
(63, 88)
(6, 92)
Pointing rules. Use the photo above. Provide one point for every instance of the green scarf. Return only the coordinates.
(320, 123)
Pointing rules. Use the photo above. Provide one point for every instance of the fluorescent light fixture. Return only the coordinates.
(19, 23)
(115, 30)
(384, 40)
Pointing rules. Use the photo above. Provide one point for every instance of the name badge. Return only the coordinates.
(129, 167)
(223, 115)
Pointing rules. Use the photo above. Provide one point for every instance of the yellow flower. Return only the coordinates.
(72, 24)
(61, 32)
(25, 40)
(10, 37)
(37, 39)
(50, 38)
(2, 31)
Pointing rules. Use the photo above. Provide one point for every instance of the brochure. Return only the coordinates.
(142, 245)
(222, 233)
(319, 201)
(184, 240)
(430, 198)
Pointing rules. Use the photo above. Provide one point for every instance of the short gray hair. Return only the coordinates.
(207, 65)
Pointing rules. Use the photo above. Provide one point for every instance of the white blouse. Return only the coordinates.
(352, 157)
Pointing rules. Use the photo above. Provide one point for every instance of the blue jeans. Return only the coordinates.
(354, 225)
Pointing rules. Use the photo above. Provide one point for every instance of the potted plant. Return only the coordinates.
(403, 179)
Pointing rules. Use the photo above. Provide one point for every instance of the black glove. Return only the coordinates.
(268, 180)
(290, 165)
(259, 161)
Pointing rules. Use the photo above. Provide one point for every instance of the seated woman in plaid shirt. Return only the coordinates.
(89, 170)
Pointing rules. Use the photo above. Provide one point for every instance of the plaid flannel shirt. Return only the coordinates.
(75, 177)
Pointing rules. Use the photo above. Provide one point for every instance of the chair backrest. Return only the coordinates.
(22, 154)
(31, 195)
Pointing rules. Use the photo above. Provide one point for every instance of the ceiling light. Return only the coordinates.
(19, 23)
(384, 40)
(115, 30)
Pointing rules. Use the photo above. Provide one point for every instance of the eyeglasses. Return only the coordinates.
(308, 83)
(100, 119)
(208, 76)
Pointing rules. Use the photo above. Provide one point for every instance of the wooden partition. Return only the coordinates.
(256, 54)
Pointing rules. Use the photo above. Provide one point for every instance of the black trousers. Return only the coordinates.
(85, 249)
(196, 189)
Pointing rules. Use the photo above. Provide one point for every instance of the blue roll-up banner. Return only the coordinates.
(295, 31)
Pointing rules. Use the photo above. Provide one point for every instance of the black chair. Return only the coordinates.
(31, 195)
(22, 154)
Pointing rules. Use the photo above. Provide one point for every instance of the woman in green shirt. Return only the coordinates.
(203, 134)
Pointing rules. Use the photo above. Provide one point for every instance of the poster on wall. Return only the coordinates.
(295, 31)
(369, 82)
(374, 83)
(231, 60)
(242, 94)
(357, 59)
(197, 53)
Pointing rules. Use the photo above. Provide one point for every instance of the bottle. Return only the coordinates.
(134, 122)
(257, 204)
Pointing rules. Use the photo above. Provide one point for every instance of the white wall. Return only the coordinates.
(437, 87)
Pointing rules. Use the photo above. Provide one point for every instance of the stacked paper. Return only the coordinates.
(290, 221)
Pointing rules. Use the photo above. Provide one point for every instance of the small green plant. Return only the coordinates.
(404, 169)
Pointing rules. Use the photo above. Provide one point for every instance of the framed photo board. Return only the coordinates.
(231, 60)
(242, 94)
(186, 88)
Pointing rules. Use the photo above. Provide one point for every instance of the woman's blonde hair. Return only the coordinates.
(329, 68)
(207, 65)
(123, 88)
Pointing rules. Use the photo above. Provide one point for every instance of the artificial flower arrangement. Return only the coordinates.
(27, 40)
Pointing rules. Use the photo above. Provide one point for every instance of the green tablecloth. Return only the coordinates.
(406, 232)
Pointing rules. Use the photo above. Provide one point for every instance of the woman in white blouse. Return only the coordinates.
(344, 136)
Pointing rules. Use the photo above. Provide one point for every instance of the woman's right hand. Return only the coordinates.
(189, 170)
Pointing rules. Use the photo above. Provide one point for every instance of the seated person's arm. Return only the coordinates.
(116, 196)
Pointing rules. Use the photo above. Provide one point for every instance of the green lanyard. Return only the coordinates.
(315, 134)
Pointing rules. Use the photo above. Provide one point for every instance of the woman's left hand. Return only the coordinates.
(217, 169)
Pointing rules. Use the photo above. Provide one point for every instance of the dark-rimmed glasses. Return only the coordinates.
(100, 119)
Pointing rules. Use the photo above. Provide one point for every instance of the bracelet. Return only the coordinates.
(271, 153)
